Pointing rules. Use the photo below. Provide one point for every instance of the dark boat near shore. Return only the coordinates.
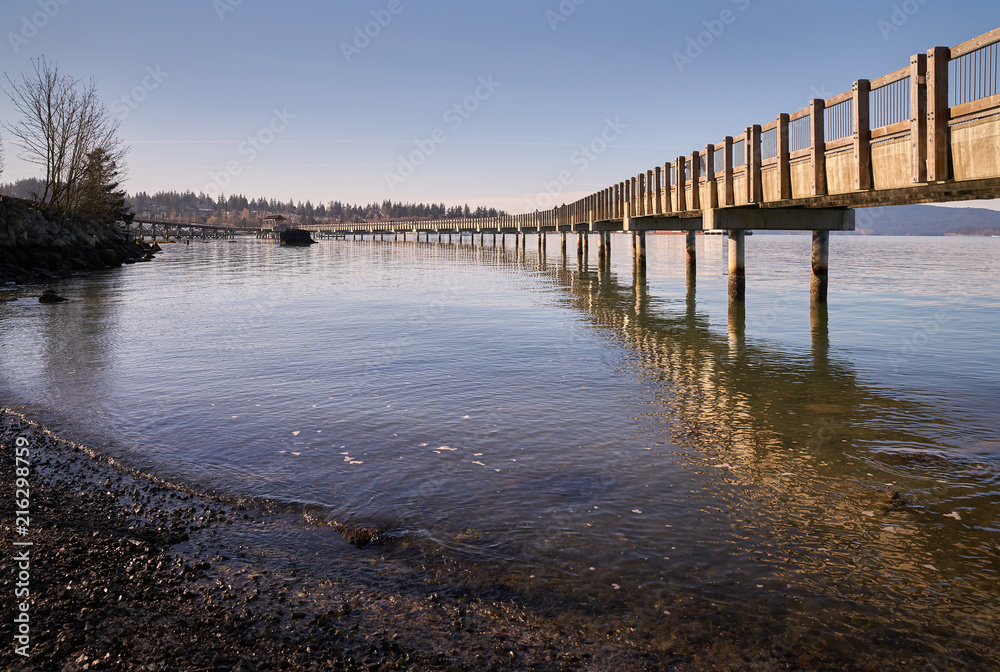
(296, 238)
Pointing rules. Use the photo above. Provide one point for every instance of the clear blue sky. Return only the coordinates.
(263, 98)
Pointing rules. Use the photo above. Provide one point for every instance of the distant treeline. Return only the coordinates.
(238, 210)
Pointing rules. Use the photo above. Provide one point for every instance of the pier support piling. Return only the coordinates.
(692, 255)
(820, 267)
(737, 266)
(640, 250)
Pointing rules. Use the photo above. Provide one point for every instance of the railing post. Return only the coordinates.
(658, 191)
(784, 169)
(631, 205)
(680, 178)
(727, 151)
(755, 188)
(695, 181)
(817, 145)
(648, 203)
(668, 201)
(862, 136)
(937, 113)
(713, 192)
(639, 189)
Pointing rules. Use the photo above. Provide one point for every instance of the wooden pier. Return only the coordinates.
(162, 231)
(928, 132)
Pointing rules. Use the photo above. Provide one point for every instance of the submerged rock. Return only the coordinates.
(50, 296)
(360, 535)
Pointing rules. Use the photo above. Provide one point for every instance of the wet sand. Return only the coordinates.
(130, 574)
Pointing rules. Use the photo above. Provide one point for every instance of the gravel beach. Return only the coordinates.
(125, 573)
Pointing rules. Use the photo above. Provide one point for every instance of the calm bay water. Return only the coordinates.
(629, 452)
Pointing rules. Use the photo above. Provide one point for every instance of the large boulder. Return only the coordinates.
(296, 238)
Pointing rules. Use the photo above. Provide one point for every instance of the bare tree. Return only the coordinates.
(63, 122)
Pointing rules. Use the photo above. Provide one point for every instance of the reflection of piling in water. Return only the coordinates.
(819, 319)
(737, 266)
(820, 266)
(641, 290)
(690, 302)
(737, 328)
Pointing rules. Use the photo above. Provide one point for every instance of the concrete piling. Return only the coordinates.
(737, 266)
(820, 267)
(692, 256)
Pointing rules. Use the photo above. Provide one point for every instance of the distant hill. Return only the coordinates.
(924, 220)
(927, 220)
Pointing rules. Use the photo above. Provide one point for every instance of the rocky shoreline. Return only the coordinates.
(130, 574)
(34, 248)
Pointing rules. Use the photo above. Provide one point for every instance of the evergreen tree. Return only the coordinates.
(100, 196)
